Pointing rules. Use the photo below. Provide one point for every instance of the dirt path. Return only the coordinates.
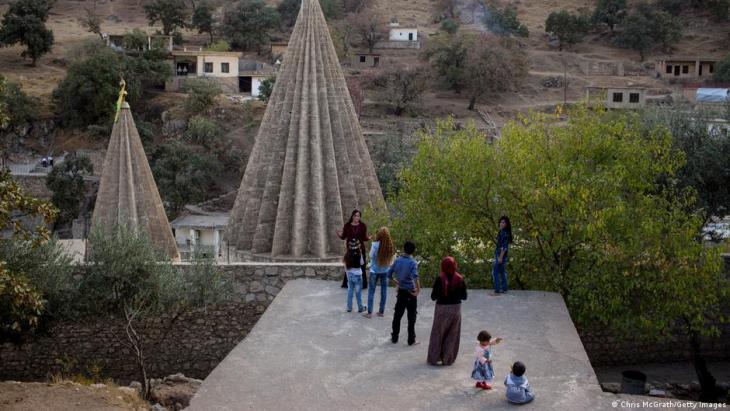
(67, 396)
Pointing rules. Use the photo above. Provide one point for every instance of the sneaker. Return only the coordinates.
(361, 310)
(393, 339)
(380, 314)
(349, 311)
(367, 315)
(486, 386)
(479, 384)
(414, 343)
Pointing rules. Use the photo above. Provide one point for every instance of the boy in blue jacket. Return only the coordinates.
(518, 389)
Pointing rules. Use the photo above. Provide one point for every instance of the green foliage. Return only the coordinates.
(401, 89)
(203, 19)
(20, 304)
(673, 7)
(646, 28)
(91, 21)
(266, 88)
(590, 218)
(220, 45)
(135, 40)
(450, 26)
(90, 89)
(331, 9)
(610, 12)
(14, 200)
(569, 28)
(171, 13)
(66, 182)
(289, 10)
(248, 23)
(48, 267)
(19, 108)
(25, 23)
(447, 54)
(202, 95)
(504, 21)
(722, 71)
(204, 132)
(183, 175)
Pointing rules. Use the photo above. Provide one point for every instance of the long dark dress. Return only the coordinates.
(360, 233)
(446, 330)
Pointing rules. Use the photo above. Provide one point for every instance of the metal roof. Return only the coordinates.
(218, 220)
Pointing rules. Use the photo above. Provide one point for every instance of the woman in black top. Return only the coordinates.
(449, 290)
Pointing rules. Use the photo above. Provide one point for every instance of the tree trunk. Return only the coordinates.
(472, 101)
(211, 36)
(707, 381)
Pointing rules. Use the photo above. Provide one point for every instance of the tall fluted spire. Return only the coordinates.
(128, 194)
(310, 166)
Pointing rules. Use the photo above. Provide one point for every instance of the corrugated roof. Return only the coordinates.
(219, 220)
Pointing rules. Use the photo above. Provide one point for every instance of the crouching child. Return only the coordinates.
(518, 389)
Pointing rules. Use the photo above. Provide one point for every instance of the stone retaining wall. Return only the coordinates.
(194, 345)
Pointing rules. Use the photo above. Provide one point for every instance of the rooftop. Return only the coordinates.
(306, 350)
(213, 220)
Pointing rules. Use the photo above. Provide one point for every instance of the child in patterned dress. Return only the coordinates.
(483, 371)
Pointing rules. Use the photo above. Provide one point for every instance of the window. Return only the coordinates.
(618, 97)
(224, 67)
(208, 67)
(633, 97)
(669, 69)
(685, 69)
(712, 68)
(362, 59)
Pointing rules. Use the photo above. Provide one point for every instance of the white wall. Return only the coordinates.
(401, 34)
(255, 84)
(217, 60)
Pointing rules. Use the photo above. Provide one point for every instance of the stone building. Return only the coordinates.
(364, 60)
(686, 68)
(127, 193)
(310, 166)
(617, 97)
(203, 232)
(218, 66)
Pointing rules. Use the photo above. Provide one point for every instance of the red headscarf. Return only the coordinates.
(449, 277)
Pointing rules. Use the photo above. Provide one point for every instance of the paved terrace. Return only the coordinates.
(307, 353)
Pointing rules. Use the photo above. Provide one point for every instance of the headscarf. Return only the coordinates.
(449, 277)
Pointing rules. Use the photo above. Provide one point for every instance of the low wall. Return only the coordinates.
(34, 185)
(194, 345)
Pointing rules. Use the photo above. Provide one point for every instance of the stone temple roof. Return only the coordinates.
(128, 194)
(310, 166)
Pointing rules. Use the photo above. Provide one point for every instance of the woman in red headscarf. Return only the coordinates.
(449, 290)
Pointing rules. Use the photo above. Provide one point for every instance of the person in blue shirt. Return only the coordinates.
(501, 255)
(518, 389)
(405, 270)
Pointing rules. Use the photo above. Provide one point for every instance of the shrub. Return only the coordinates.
(202, 95)
(503, 21)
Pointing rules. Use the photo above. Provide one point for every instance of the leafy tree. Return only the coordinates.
(91, 21)
(66, 182)
(25, 23)
(202, 95)
(204, 132)
(504, 21)
(171, 13)
(289, 10)
(449, 7)
(722, 71)
(126, 278)
(248, 23)
(447, 55)
(366, 26)
(136, 40)
(203, 19)
(20, 108)
(493, 65)
(87, 94)
(673, 7)
(21, 304)
(331, 9)
(592, 219)
(401, 88)
(183, 174)
(647, 27)
(609, 12)
(14, 203)
(569, 28)
(266, 88)
(4, 117)
(450, 26)
(220, 45)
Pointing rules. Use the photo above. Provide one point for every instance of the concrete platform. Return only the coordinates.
(307, 353)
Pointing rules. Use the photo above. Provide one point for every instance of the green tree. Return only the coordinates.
(203, 19)
(87, 94)
(609, 12)
(91, 21)
(401, 89)
(248, 23)
(202, 95)
(569, 28)
(126, 278)
(25, 23)
(450, 26)
(331, 9)
(647, 27)
(21, 304)
(447, 55)
(722, 71)
(289, 10)
(504, 21)
(171, 13)
(20, 108)
(204, 132)
(136, 40)
(493, 65)
(266, 88)
(183, 174)
(366, 26)
(66, 182)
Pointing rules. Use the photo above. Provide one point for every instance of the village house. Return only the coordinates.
(278, 48)
(153, 41)
(200, 232)
(221, 66)
(402, 33)
(251, 74)
(686, 68)
(364, 60)
(617, 97)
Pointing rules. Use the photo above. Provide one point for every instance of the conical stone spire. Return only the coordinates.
(128, 194)
(310, 166)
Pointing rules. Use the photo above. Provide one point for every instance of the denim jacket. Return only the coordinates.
(518, 389)
(502, 243)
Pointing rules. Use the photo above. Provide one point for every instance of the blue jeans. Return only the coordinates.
(375, 279)
(499, 275)
(354, 283)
